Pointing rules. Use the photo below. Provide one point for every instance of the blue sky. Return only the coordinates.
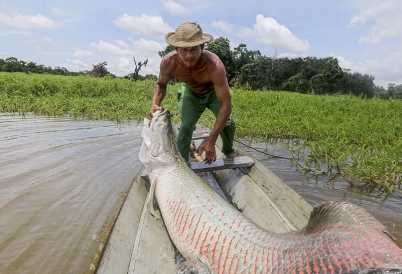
(365, 35)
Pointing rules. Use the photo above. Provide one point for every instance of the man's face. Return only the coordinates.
(189, 55)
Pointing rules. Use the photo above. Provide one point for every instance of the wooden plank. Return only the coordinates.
(199, 135)
(210, 179)
(227, 163)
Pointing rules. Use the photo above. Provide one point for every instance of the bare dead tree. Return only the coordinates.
(98, 70)
(138, 68)
(272, 68)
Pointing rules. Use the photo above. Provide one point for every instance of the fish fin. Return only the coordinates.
(152, 201)
(341, 213)
(203, 265)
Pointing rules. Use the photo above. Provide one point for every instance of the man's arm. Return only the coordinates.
(221, 86)
(161, 84)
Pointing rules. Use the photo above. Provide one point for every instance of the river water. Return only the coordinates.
(62, 182)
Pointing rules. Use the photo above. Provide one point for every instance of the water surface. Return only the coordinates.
(62, 182)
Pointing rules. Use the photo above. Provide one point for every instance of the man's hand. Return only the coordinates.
(153, 109)
(210, 153)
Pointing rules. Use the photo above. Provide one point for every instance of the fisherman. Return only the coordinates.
(204, 85)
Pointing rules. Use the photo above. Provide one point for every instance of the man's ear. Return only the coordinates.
(202, 46)
(176, 49)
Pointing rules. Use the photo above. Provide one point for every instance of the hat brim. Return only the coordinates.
(206, 38)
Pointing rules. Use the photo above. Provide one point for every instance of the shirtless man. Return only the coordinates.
(204, 86)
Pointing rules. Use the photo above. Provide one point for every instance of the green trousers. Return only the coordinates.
(191, 106)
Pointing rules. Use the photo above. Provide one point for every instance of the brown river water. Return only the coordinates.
(62, 182)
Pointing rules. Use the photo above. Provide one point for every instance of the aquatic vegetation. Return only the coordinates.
(357, 138)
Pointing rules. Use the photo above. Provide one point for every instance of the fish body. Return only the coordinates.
(339, 237)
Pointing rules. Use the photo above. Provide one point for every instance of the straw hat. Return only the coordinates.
(188, 35)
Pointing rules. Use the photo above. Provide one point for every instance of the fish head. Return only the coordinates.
(159, 147)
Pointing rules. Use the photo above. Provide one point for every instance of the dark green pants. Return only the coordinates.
(191, 106)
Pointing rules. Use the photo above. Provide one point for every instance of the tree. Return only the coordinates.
(284, 69)
(241, 57)
(138, 68)
(11, 64)
(391, 89)
(297, 83)
(150, 77)
(221, 47)
(256, 74)
(169, 48)
(357, 84)
(1, 64)
(394, 91)
(331, 70)
(99, 70)
(31, 67)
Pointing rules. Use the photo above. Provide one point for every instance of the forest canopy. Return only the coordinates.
(249, 69)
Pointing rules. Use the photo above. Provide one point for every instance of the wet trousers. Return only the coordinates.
(191, 106)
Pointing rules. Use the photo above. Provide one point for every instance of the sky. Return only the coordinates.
(364, 35)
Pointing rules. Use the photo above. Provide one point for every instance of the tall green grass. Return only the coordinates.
(356, 138)
(91, 98)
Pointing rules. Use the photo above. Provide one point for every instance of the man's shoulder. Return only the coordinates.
(170, 60)
(212, 60)
(171, 56)
(210, 55)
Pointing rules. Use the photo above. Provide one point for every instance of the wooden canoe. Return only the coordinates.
(139, 243)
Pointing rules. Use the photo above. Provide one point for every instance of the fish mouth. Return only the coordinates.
(164, 135)
(159, 113)
(162, 117)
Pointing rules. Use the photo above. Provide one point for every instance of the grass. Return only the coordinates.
(356, 138)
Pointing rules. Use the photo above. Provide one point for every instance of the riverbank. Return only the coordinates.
(356, 138)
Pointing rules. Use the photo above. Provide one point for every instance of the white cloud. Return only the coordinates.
(124, 64)
(26, 21)
(196, 1)
(79, 53)
(266, 31)
(174, 8)
(150, 26)
(16, 33)
(48, 40)
(57, 12)
(229, 28)
(141, 50)
(223, 26)
(385, 70)
(381, 27)
(271, 33)
(385, 16)
(33, 44)
(117, 47)
(146, 46)
(77, 65)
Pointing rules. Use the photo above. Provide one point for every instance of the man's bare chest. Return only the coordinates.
(192, 77)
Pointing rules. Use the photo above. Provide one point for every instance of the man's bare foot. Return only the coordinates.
(231, 155)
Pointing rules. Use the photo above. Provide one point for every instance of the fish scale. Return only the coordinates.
(339, 237)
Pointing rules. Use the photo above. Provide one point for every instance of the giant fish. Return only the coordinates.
(208, 231)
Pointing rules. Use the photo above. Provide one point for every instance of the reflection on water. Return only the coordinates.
(62, 182)
(318, 189)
